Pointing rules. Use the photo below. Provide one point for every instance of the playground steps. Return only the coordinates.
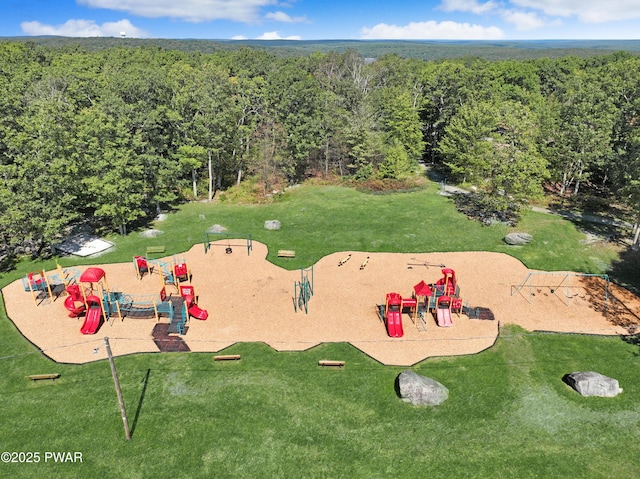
(421, 318)
(478, 313)
(178, 320)
(167, 342)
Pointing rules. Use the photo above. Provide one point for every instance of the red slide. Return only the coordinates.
(198, 313)
(94, 316)
(75, 307)
(443, 312)
(394, 315)
(394, 324)
(444, 317)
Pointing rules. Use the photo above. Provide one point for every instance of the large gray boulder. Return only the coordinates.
(421, 390)
(518, 239)
(590, 383)
(272, 225)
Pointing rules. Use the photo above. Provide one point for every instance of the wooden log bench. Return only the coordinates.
(330, 363)
(155, 250)
(227, 357)
(38, 377)
(286, 253)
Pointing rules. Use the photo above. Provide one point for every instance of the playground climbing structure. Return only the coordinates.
(303, 290)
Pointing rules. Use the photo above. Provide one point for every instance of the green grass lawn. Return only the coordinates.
(279, 415)
(319, 220)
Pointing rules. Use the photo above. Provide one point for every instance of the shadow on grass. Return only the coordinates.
(396, 386)
(7, 262)
(634, 340)
(626, 271)
(145, 381)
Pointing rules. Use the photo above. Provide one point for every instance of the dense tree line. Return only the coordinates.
(116, 134)
(426, 50)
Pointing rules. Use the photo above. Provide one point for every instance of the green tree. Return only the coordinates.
(624, 78)
(493, 144)
(20, 69)
(42, 177)
(115, 178)
(467, 143)
(207, 118)
(583, 141)
(191, 158)
(400, 120)
(396, 163)
(449, 85)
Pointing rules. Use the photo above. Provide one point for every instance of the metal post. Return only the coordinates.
(127, 432)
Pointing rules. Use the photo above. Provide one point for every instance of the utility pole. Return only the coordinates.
(127, 432)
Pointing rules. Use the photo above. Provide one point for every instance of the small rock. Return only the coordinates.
(216, 229)
(151, 233)
(518, 238)
(272, 225)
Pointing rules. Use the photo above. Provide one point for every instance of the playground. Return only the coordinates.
(248, 299)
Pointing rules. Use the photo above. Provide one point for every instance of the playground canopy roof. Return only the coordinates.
(92, 275)
(422, 289)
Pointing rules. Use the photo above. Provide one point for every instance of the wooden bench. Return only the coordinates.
(227, 357)
(154, 250)
(286, 253)
(38, 377)
(330, 363)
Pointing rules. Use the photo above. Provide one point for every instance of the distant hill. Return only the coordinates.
(424, 50)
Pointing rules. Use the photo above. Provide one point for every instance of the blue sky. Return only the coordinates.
(325, 19)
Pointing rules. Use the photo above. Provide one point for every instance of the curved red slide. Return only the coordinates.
(197, 312)
(94, 316)
(74, 307)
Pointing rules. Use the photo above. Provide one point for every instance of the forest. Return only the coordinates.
(113, 136)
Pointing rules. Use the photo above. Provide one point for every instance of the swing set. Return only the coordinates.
(556, 283)
(208, 243)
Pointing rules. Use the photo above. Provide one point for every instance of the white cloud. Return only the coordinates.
(588, 11)
(276, 36)
(246, 11)
(523, 20)
(84, 28)
(284, 17)
(432, 31)
(472, 6)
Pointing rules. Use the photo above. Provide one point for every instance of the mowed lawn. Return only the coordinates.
(279, 415)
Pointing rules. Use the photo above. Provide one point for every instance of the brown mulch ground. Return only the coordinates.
(251, 300)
